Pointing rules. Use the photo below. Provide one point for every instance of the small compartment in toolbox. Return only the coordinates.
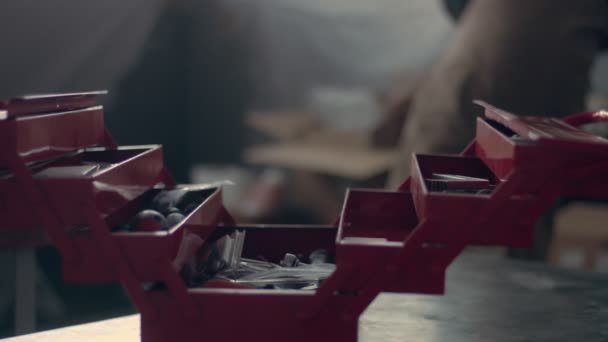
(373, 230)
(273, 256)
(260, 240)
(499, 146)
(382, 215)
(453, 175)
(504, 130)
(86, 163)
(144, 250)
(43, 136)
(456, 202)
(107, 178)
(453, 208)
(192, 199)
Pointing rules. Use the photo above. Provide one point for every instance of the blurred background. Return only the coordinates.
(293, 101)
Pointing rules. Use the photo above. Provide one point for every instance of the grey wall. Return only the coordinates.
(67, 45)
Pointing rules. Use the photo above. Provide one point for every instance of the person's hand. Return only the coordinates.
(396, 103)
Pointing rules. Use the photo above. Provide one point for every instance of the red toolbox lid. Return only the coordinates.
(47, 103)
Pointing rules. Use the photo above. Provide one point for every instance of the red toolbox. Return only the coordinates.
(63, 175)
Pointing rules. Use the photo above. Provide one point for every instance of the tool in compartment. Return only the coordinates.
(219, 260)
(451, 183)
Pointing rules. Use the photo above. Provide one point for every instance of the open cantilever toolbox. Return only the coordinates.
(62, 174)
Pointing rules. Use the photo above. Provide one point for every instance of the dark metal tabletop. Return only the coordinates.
(490, 298)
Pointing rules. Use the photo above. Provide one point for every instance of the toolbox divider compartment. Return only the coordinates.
(107, 178)
(454, 210)
(147, 253)
(374, 230)
(497, 149)
(447, 204)
(371, 241)
(260, 240)
(376, 214)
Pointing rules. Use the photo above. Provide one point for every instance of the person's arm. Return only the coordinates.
(529, 57)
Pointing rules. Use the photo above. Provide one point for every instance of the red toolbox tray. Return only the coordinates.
(368, 240)
(41, 127)
(70, 182)
(451, 209)
(147, 253)
(505, 141)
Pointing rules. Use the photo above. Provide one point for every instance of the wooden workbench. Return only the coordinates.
(488, 299)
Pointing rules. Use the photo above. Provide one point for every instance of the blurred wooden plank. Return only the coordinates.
(580, 230)
(342, 161)
(283, 125)
(586, 220)
(112, 330)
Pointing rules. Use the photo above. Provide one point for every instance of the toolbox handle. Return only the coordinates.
(584, 118)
